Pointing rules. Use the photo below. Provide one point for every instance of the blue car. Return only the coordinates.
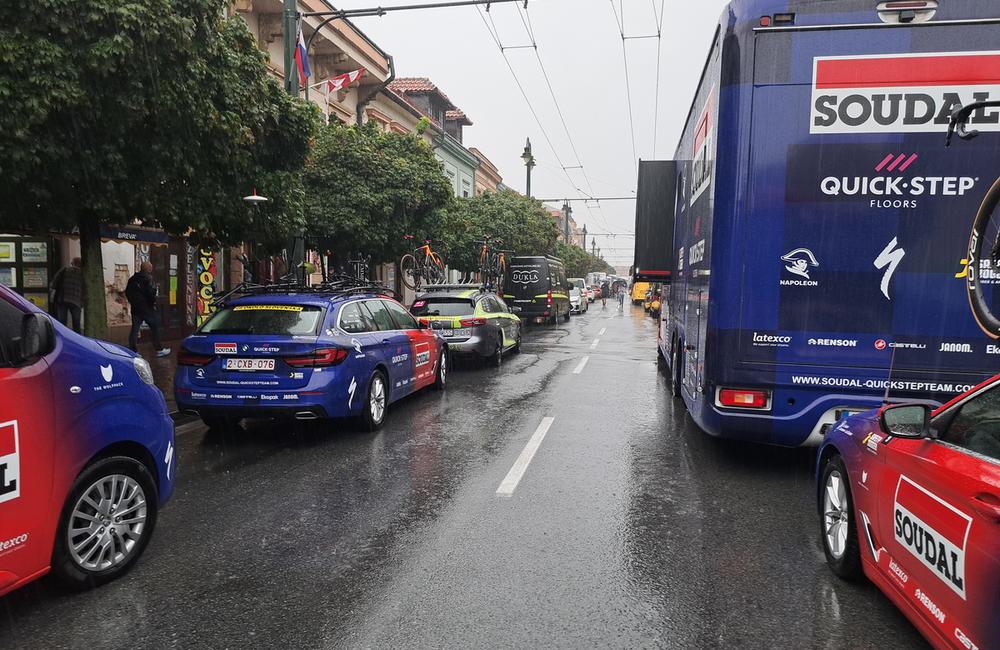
(305, 354)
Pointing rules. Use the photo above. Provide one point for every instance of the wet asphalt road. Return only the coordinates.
(630, 527)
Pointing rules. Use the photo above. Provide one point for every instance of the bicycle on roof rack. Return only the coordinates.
(492, 264)
(358, 267)
(985, 230)
(421, 266)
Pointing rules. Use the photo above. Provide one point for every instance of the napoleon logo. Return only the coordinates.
(10, 462)
(933, 531)
(902, 93)
(798, 262)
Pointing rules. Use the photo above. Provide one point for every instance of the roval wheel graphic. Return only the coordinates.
(981, 248)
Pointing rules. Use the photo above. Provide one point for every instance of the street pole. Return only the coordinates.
(291, 33)
(566, 212)
(529, 162)
(583, 244)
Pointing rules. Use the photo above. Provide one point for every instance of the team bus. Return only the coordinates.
(822, 228)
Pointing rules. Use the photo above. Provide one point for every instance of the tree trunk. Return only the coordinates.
(95, 309)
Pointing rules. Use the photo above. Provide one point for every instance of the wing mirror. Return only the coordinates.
(37, 337)
(906, 421)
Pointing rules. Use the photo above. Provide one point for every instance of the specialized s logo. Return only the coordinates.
(10, 462)
(889, 259)
(933, 531)
(902, 93)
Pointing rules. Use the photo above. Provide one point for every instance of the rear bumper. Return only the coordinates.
(281, 412)
(478, 344)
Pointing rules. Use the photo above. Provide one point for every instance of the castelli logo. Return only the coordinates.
(880, 344)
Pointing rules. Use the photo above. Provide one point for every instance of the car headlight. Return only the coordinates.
(143, 370)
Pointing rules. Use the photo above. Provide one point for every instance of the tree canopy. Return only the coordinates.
(579, 262)
(366, 188)
(161, 111)
(523, 224)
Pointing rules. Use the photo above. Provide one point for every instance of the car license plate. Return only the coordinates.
(459, 333)
(249, 365)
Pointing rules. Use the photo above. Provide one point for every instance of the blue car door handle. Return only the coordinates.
(385, 341)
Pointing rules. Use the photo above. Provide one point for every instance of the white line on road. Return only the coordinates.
(509, 483)
(594, 344)
(603, 330)
(579, 368)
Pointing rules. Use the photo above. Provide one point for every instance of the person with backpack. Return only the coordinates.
(141, 292)
(67, 290)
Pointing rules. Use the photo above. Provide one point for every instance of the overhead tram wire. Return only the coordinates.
(628, 90)
(496, 38)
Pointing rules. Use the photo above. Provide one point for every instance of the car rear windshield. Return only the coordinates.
(579, 283)
(442, 307)
(289, 320)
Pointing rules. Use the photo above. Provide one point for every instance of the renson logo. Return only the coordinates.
(902, 93)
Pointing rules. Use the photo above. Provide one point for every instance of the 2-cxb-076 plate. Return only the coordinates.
(249, 365)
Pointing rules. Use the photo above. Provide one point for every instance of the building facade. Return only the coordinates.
(488, 177)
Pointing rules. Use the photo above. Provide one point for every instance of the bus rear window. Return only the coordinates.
(288, 320)
(443, 307)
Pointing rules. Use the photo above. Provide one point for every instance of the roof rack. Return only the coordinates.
(338, 285)
(431, 288)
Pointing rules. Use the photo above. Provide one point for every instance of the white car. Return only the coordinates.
(579, 301)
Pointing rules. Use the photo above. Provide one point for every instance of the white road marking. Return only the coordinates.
(594, 344)
(513, 477)
(603, 330)
(579, 368)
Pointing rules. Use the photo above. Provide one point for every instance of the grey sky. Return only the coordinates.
(581, 48)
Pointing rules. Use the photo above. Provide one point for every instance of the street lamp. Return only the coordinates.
(529, 162)
(254, 200)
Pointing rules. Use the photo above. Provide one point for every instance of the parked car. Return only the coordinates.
(639, 291)
(87, 453)
(473, 321)
(910, 497)
(583, 303)
(307, 354)
(536, 287)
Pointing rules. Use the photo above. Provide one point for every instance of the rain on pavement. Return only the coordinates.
(628, 527)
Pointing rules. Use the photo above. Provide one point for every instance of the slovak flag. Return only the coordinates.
(342, 81)
(302, 59)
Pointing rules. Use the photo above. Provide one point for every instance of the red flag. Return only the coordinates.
(344, 80)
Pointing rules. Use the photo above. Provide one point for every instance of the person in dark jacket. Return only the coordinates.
(67, 288)
(141, 292)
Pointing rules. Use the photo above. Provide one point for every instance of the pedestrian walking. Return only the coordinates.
(141, 292)
(67, 294)
(621, 297)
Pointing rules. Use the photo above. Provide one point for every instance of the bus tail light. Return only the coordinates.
(319, 359)
(744, 398)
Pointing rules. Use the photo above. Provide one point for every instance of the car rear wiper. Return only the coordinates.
(958, 124)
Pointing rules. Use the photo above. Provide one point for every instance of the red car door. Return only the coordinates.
(423, 345)
(940, 520)
(27, 515)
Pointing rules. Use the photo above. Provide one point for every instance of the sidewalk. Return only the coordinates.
(163, 369)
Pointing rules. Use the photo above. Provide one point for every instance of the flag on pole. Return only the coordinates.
(302, 59)
(342, 81)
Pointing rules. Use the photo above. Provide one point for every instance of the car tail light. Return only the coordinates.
(186, 358)
(472, 322)
(744, 398)
(318, 359)
(548, 298)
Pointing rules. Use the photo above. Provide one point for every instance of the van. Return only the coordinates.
(639, 290)
(536, 288)
(87, 452)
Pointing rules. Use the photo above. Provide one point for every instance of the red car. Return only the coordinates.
(910, 497)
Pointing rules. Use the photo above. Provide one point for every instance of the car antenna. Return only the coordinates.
(888, 384)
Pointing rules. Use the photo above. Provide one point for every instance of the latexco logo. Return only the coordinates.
(902, 93)
(798, 263)
(771, 340)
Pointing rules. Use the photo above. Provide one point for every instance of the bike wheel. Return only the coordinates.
(985, 232)
(500, 272)
(408, 272)
(436, 265)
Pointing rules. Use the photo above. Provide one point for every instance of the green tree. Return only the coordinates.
(523, 224)
(366, 189)
(160, 112)
(579, 262)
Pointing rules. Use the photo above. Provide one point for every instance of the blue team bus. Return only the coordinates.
(822, 227)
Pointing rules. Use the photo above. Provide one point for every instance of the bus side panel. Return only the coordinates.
(854, 233)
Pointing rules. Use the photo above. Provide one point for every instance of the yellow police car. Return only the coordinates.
(473, 321)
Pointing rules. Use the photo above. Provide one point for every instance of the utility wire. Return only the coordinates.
(656, 93)
(628, 89)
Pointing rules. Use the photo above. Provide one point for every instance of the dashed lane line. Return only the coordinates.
(516, 472)
(603, 330)
(594, 344)
(579, 368)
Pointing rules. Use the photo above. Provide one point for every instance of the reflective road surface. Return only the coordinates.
(629, 527)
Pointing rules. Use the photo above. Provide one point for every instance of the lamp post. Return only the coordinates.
(529, 162)
(254, 201)
(567, 211)
(583, 244)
